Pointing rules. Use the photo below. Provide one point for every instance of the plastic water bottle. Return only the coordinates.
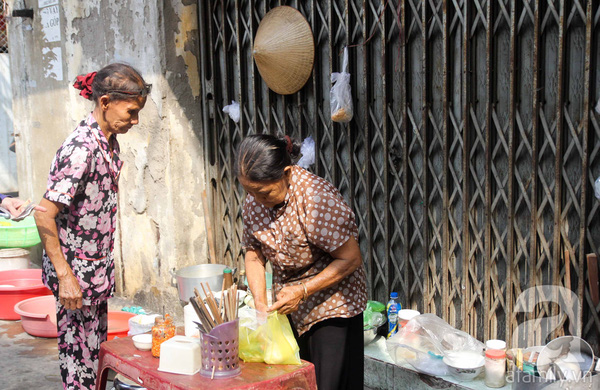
(392, 312)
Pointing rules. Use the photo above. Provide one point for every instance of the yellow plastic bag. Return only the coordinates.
(268, 340)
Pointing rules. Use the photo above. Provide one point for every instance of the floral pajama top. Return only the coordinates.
(84, 177)
(298, 238)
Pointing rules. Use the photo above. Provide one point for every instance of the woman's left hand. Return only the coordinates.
(288, 300)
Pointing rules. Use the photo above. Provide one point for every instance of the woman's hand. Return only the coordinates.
(15, 206)
(69, 292)
(288, 299)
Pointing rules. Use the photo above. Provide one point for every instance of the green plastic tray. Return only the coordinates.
(22, 234)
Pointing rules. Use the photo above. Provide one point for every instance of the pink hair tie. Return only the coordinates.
(84, 84)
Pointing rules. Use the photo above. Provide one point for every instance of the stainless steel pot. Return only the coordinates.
(188, 278)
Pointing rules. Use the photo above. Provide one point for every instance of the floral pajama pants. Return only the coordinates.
(80, 333)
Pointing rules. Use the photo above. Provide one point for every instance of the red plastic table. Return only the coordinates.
(121, 356)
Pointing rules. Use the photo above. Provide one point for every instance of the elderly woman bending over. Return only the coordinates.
(301, 224)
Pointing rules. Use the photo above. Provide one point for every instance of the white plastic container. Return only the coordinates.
(180, 355)
(189, 316)
(14, 258)
(406, 315)
(495, 363)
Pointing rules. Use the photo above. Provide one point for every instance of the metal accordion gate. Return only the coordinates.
(471, 159)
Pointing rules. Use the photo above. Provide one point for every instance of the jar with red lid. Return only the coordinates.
(495, 363)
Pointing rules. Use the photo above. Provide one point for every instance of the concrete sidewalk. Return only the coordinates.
(27, 362)
(30, 362)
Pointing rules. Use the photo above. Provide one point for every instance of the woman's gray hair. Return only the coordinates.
(263, 157)
(120, 82)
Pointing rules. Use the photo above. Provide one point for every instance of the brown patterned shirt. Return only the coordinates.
(297, 239)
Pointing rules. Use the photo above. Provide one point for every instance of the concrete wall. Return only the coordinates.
(161, 221)
(8, 162)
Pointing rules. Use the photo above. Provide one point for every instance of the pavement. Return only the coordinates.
(27, 362)
(30, 362)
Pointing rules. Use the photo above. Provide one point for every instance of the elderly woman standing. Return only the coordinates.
(301, 224)
(77, 230)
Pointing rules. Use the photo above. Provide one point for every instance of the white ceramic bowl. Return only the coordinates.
(143, 341)
(464, 366)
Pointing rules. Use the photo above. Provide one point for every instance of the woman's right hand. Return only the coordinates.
(69, 292)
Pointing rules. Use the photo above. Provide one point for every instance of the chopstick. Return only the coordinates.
(205, 311)
(231, 303)
(211, 314)
(212, 304)
(201, 316)
(221, 301)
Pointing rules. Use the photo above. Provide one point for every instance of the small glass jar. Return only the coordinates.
(162, 330)
(495, 363)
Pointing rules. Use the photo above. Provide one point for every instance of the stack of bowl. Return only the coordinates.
(16, 286)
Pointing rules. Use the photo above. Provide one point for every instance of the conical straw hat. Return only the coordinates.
(284, 50)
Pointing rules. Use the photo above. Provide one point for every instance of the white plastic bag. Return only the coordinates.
(341, 94)
(233, 110)
(597, 187)
(424, 341)
(307, 150)
(142, 323)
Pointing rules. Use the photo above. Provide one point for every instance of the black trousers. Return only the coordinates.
(336, 348)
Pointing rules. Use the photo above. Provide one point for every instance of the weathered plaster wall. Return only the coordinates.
(161, 221)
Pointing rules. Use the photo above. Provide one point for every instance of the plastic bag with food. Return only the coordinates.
(266, 338)
(341, 94)
(425, 340)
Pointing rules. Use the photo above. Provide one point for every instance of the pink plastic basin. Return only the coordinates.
(16, 286)
(38, 315)
(38, 318)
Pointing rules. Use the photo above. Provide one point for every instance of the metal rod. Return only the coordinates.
(429, 290)
(558, 168)
(583, 216)
(534, 164)
(446, 151)
(511, 317)
(365, 124)
(466, 98)
(406, 130)
(487, 316)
